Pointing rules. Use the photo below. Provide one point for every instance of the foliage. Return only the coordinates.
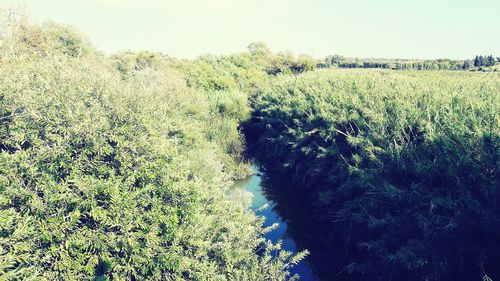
(228, 82)
(109, 170)
(484, 61)
(403, 167)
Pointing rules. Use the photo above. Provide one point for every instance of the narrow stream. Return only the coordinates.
(262, 196)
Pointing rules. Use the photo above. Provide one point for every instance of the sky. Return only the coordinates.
(419, 29)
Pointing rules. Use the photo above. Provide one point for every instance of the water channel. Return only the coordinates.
(259, 186)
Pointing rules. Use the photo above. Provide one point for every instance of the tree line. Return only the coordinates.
(479, 62)
(485, 61)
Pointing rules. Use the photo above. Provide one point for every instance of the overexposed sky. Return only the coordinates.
(364, 28)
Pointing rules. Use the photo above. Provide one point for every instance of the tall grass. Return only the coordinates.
(402, 166)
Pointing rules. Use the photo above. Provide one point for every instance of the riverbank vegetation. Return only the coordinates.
(401, 167)
(114, 169)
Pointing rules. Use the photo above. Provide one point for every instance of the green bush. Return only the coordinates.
(107, 170)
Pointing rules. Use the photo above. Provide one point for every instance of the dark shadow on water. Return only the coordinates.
(262, 191)
(302, 227)
(298, 228)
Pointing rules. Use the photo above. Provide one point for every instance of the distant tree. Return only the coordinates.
(466, 65)
(490, 60)
(477, 63)
(335, 59)
(259, 49)
(302, 64)
(261, 55)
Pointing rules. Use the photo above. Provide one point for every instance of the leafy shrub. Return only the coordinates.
(110, 173)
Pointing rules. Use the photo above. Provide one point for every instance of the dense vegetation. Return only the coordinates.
(402, 168)
(113, 168)
(119, 167)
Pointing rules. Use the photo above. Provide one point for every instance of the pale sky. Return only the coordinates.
(363, 28)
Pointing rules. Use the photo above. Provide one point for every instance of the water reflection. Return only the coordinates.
(259, 186)
(306, 227)
(299, 227)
